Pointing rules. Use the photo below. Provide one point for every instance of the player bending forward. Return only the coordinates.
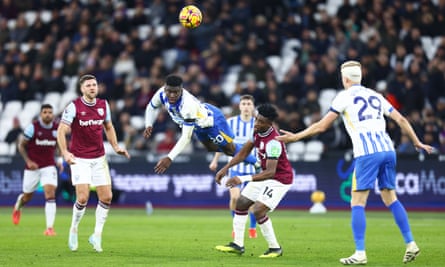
(265, 189)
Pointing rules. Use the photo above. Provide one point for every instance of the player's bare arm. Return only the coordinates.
(239, 157)
(268, 173)
(214, 163)
(111, 137)
(22, 150)
(62, 131)
(408, 129)
(316, 128)
(148, 131)
(162, 165)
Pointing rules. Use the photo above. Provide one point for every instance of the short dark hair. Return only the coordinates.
(268, 111)
(85, 77)
(173, 80)
(43, 106)
(247, 97)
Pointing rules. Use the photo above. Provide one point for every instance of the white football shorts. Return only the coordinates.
(269, 192)
(46, 175)
(91, 171)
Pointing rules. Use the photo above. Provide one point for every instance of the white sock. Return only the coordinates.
(101, 217)
(50, 212)
(18, 203)
(78, 212)
(239, 227)
(360, 253)
(268, 232)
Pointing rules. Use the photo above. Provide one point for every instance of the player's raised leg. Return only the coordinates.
(16, 212)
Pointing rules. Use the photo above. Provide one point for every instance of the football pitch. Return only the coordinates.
(187, 237)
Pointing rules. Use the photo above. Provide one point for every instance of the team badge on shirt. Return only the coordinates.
(100, 111)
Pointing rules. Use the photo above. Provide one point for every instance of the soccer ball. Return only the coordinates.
(190, 17)
(317, 196)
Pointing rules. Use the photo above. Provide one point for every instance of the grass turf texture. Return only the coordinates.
(171, 237)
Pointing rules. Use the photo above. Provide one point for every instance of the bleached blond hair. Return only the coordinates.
(352, 70)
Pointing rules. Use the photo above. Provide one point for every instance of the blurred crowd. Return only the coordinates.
(130, 46)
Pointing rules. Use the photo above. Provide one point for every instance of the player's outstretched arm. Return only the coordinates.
(151, 113)
(111, 137)
(315, 128)
(214, 163)
(408, 129)
(62, 131)
(184, 140)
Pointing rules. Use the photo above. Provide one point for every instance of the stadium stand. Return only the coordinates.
(299, 41)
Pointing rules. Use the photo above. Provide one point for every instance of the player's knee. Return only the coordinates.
(106, 198)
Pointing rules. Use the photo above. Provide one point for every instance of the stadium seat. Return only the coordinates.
(32, 106)
(430, 45)
(314, 150)
(52, 98)
(138, 122)
(274, 62)
(130, 12)
(144, 31)
(325, 99)
(66, 98)
(11, 24)
(11, 109)
(45, 16)
(174, 29)
(31, 110)
(159, 30)
(229, 83)
(295, 150)
(170, 57)
(4, 149)
(5, 126)
(30, 16)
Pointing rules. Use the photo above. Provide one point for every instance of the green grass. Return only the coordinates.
(188, 237)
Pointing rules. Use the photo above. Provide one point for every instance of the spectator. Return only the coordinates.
(14, 132)
(55, 83)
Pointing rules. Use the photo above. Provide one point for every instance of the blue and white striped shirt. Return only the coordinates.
(243, 131)
(363, 111)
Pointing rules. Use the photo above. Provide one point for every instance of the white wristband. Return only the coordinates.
(245, 178)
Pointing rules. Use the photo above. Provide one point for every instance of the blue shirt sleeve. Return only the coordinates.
(29, 131)
(69, 113)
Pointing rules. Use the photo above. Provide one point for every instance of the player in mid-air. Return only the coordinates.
(37, 147)
(265, 189)
(242, 127)
(205, 120)
(363, 112)
(86, 118)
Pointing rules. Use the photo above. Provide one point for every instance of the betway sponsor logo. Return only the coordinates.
(45, 142)
(90, 122)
